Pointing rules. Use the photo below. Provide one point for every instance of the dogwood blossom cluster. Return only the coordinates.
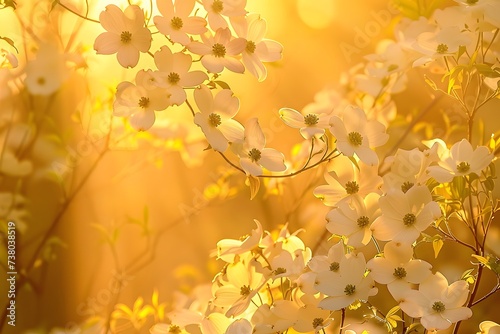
(268, 284)
(274, 283)
(217, 34)
(384, 205)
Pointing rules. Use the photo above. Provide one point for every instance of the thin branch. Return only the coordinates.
(77, 14)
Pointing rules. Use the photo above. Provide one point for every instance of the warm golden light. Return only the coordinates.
(234, 167)
(317, 14)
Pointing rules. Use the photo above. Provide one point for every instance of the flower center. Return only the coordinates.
(214, 120)
(254, 155)
(280, 271)
(173, 78)
(317, 322)
(245, 290)
(41, 81)
(463, 167)
(311, 119)
(406, 186)
(176, 23)
(218, 50)
(399, 272)
(144, 102)
(409, 219)
(355, 138)
(125, 37)
(442, 48)
(250, 48)
(174, 329)
(363, 221)
(351, 187)
(217, 6)
(334, 266)
(350, 289)
(438, 307)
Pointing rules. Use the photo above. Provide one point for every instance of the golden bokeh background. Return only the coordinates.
(143, 180)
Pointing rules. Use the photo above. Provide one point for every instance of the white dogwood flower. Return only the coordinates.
(126, 34)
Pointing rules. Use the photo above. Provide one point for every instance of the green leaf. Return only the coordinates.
(493, 170)
(489, 184)
(487, 71)
(457, 187)
(461, 50)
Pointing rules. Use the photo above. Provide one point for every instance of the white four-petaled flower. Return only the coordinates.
(126, 34)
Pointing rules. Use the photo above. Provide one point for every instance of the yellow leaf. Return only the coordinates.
(393, 311)
(437, 244)
(481, 259)
(254, 184)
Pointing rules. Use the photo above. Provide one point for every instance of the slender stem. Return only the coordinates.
(471, 299)
(409, 128)
(55, 223)
(342, 319)
(452, 237)
(190, 107)
(232, 164)
(77, 14)
(495, 289)
(327, 158)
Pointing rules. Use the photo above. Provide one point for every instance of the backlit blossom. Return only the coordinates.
(47, 72)
(438, 304)
(386, 70)
(240, 326)
(216, 117)
(174, 74)
(219, 51)
(405, 215)
(311, 318)
(461, 160)
(435, 45)
(227, 249)
(310, 125)
(347, 287)
(487, 10)
(356, 135)
(258, 49)
(240, 284)
(253, 153)
(489, 327)
(397, 269)
(345, 180)
(277, 318)
(175, 21)
(140, 101)
(126, 34)
(353, 219)
(409, 168)
(12, 165)
(218, 9)
(289, 264)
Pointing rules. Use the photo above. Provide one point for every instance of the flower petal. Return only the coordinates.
(272, 160)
